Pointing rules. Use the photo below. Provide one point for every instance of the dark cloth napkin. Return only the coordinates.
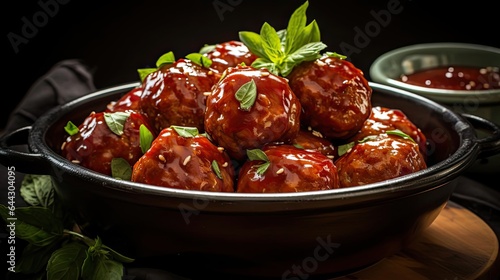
(65, 81)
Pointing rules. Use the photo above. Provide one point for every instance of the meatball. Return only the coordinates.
(185, 162)
(335, 96)
(377, 159)
(130, 101)
(99, 140)
(290, 169)
(230, 54)
(176, 93)
(384, 119)
(313, 140)
(249, 108)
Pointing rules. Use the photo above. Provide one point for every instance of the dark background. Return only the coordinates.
(117, 37)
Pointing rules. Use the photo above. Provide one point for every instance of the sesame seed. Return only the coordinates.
(264, 74)
(63, 145)
(162, 158)
(317, 134)
(221, 149)
(281, 170)
(207, 93)
(186, 160)
(225, 164)
(320, 63)
(75, 161)
(330, 156)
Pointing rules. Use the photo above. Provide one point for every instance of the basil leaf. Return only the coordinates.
(400, 133)
(37, 190)
(262, 168)
(271, 42)
(185, 131)
(368, 138)
(207, 48)
(343, 149)
(98, 265)
(117, 256)
(34, 258)
(66, 262)
(282, 35)
(257, 154)
(265, 63)
(253, 41)
(246, 95)
(71, 128)
(145, 138)
(216, 169)
(310, 34)
(334, 54)
(295, 25)
(36, 225)
(199, 59)
(116, 121)
(121, 169)
(307, 52)
(144, 72)
(167, 58)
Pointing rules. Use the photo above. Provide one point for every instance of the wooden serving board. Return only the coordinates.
(458, 245)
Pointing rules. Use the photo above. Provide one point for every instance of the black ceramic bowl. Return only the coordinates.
(286, 235)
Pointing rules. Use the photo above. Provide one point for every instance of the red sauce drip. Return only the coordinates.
(456, 78)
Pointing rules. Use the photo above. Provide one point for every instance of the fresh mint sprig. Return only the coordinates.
(280, 51)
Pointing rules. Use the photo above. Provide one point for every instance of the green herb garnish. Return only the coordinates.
(116, 121)
(164, 59)
(121, 169)
(246, 95)
(71, 128)
(207, 48)
(199, 59)
(343, 149)
(216, 169)
(185, 131)
(167, 58)
(280, 51)
(258, 154)
(334, 54)
(400, 134)
(145, 138)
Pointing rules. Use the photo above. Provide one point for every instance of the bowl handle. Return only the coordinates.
(489, 145)
(25, 162)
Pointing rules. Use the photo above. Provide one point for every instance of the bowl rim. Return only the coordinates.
(439, 173)
(446, 95)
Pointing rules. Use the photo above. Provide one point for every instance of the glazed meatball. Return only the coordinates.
(130, 101)
(176, 93)
(230, 54)
(249, 108)
(313, 140)
(290, 169)
(335, 96)
(384, 119)
(381, 158)
(185, 162)
(99, 140)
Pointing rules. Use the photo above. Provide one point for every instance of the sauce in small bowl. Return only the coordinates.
(455, 78)
(463, 77)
